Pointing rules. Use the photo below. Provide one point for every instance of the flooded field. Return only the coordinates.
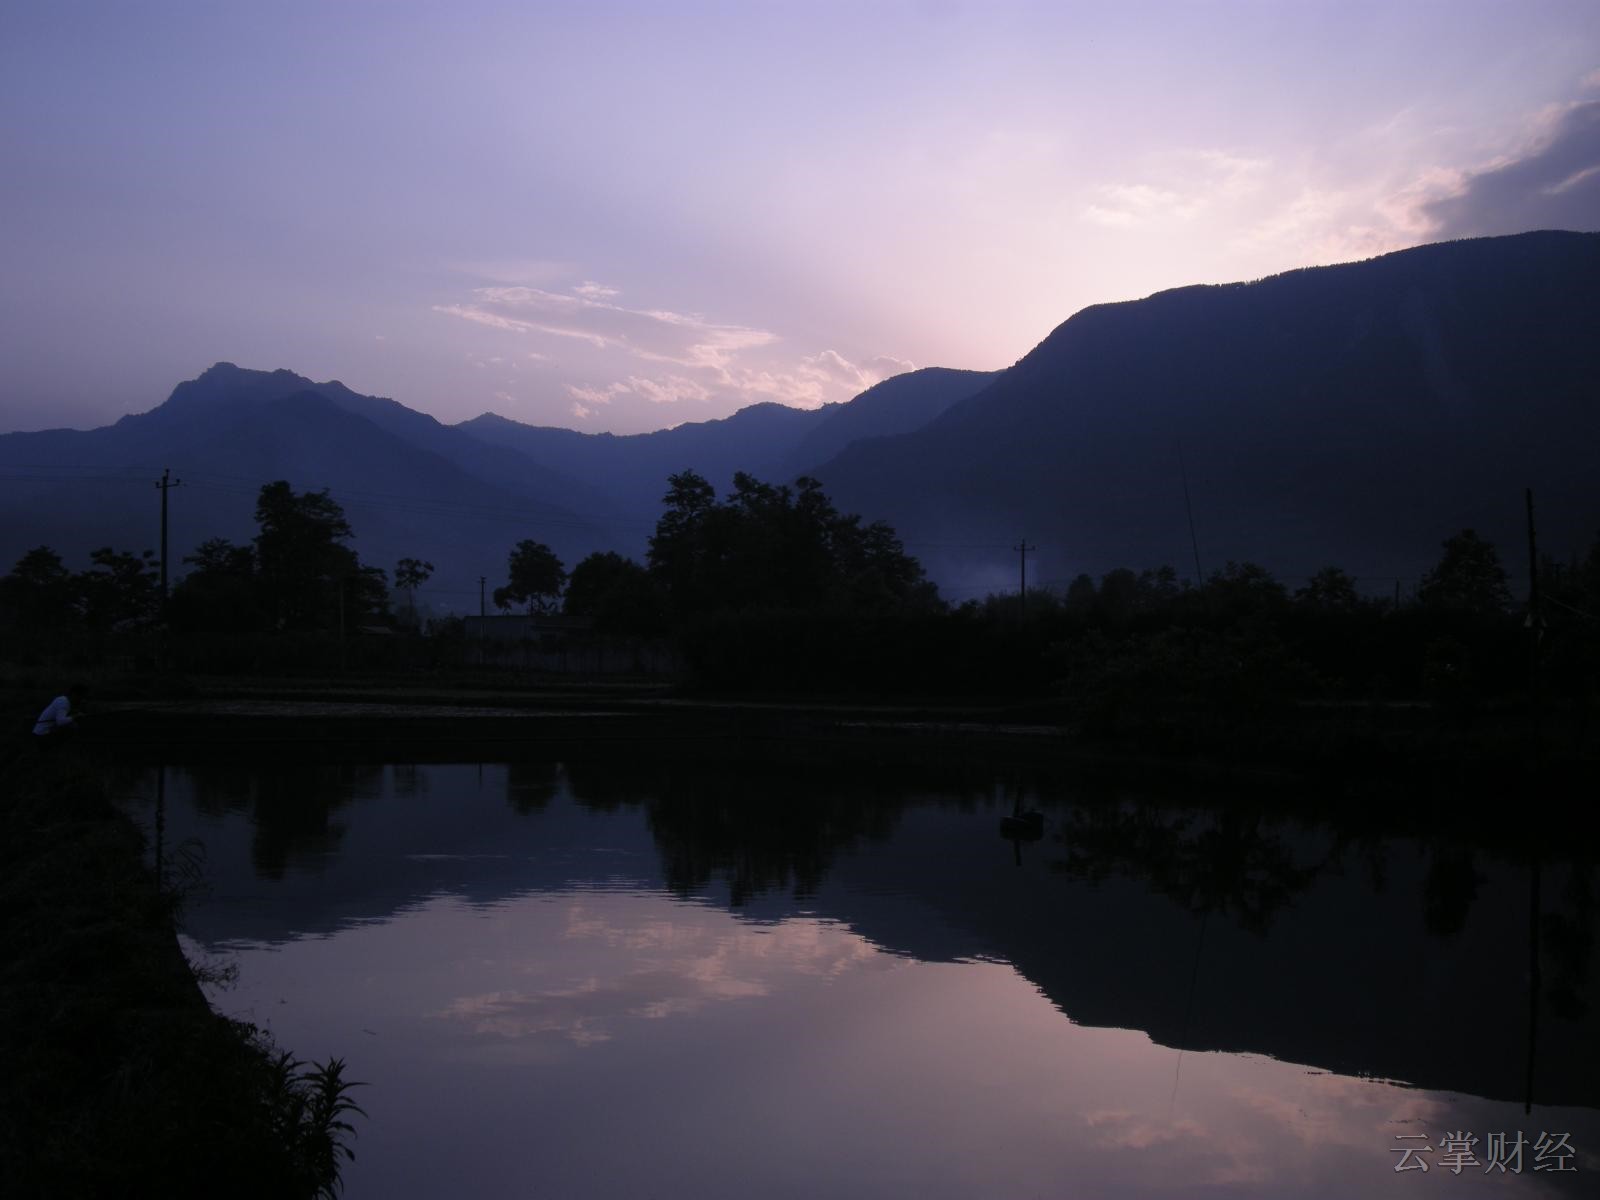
(622, 978)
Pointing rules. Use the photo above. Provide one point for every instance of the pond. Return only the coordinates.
(629, 978)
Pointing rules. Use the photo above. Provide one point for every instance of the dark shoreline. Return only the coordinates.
(119, 1078)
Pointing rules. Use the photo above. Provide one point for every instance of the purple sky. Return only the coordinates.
(629, 216)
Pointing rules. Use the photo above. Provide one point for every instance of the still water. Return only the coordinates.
(619, 979)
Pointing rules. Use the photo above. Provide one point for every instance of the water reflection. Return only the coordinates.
(653, 964)
(811, 983)
(1224, 860)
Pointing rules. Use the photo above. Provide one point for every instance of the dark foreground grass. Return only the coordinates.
(116, 1077)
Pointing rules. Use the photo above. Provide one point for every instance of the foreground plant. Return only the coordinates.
(309, 1105)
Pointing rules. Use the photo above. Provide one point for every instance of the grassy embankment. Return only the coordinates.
(118, 1078)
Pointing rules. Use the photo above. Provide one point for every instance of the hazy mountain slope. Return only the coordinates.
(230, 431)
(771, 441)
(1355, 415)
(224, 386)
(897, 405)
(635, 467)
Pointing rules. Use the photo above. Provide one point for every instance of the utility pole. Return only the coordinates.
(1194, 542)
(1022, 548)
(482, 611)
(165, 484)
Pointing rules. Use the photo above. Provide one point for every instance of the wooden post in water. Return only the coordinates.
(1535, 630)
(1535, 633)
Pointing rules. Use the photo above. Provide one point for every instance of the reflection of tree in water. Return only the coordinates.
(607, 785)
(289, 806)
(1449, 889)
(410, 780)
(756, 831)
(530, 786)
(1221, 860)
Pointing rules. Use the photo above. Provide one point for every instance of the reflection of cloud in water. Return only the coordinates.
(1124, 1130)
(513, 1014)
(666, 968)
(1203, 1153)
(1242, 1121)
(1340, 1110)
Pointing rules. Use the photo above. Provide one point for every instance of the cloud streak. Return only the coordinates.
(1554, 185)
(637, 359)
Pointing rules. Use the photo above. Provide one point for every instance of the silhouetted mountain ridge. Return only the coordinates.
(1354, 414)
(230, 430)
(459, 496)
(771, 441)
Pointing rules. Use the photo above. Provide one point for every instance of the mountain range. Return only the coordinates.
(1353, 415)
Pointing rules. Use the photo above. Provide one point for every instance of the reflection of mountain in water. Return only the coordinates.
(1208, 927)
(1290, 943)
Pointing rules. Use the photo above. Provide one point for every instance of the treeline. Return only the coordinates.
(297, 575)
(771, 589)
(1240, 643)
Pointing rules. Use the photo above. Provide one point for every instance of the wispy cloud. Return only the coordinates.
(669, 390)
(589, 313)
(694, 359)
(1181, 187)
(596, 395)
(1553, 184)
(1548, 179)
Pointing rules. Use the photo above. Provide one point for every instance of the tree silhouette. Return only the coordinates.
(119, 589)
(308, 577)
(409, 575)
(537, 578)
(616, 592)
(38, 593)
(1467, 578)
(771, 547)
(1329, 590)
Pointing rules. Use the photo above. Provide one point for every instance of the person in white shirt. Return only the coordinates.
(57, 715)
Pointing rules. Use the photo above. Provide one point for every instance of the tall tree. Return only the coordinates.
(38, 593)
(309, 578)
(536, 578)
(219, 595)
(119, 588)
(409, 575)
(616, 592)
(777, 547)
(1467, 578)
